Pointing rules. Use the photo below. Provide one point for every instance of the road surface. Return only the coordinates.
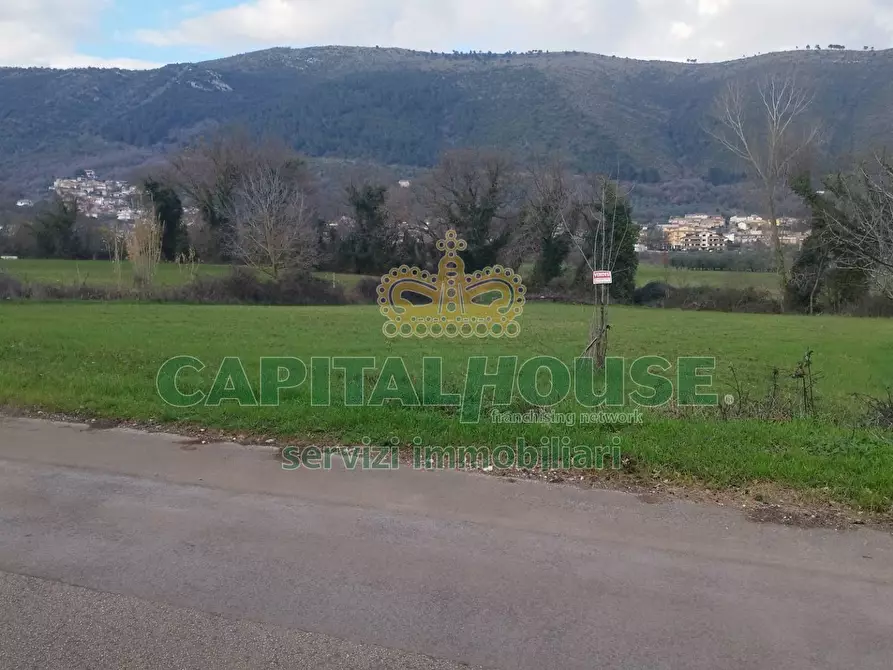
(125, 549)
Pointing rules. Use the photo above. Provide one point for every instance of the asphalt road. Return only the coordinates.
(123, 549)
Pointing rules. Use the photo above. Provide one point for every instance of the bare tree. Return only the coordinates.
(862, 221)
(471, 191)
(769, 134)
(271, 223)
(210, 171)
(605, 239)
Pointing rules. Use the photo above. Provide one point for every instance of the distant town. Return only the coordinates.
(711, 233)
(98, 198)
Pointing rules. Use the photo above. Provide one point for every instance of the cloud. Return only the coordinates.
(681, 30)
(53, 32)
(676, 29)
(46, 33)
(422, 24)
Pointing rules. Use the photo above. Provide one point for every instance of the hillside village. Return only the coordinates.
(106, 199)
(98, 198)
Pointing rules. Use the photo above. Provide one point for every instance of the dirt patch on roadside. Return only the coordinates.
(101, 424)
(801, 518)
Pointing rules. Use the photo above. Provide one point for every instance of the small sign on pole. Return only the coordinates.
(602, 277)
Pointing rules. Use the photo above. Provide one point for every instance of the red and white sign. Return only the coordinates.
(602, 277)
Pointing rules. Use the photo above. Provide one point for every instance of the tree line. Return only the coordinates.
(234, 198)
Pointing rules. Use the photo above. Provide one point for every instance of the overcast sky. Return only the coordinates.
(132, 33)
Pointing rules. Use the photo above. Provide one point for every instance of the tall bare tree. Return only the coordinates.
(765, 126)
(271, 227)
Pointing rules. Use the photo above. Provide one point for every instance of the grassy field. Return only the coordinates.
(103, 273)
(102, 359)
(681, 277)
(97, 273)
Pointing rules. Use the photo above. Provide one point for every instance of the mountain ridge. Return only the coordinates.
(642, 119)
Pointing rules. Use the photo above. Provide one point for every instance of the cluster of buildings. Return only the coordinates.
(705, 232)
(695, 232)
(99, 198)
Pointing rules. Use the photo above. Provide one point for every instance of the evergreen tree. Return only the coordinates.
(54, 229)
(823, 272)
(370, 248)
(471, 193)
(169, 213)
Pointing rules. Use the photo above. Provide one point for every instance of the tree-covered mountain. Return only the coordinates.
(642, 120)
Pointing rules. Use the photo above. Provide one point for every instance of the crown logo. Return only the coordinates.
(451, 303)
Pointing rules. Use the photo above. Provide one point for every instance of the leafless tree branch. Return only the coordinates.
(863, 221)
(769, 141)
(272, 223)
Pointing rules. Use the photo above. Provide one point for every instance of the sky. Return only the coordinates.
(143, 34)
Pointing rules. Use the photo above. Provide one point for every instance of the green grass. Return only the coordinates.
(682, 277)
(97, 273)
(102, 273)
(102, 359)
